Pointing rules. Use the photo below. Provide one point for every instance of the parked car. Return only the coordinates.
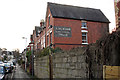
(8, 67)
(5, 61)
(14, 63)
(11, 63)
(2, 72)
(1, 62)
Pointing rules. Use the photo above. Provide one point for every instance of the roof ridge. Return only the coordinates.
(72, 6)
(76, 12)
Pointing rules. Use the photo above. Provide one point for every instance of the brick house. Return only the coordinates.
(35, 37)
(41, 35)
(38, 36)
(71, 26)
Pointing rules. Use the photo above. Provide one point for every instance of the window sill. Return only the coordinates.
(84, 31)
(83, 27)
(85, 43)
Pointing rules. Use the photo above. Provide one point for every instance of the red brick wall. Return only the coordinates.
(95, 31)
(47, 25)
(38, 42)
(75, 30)
(35, 39)
(42, 35)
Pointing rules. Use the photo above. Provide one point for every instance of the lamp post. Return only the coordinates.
(25, 51)
(32, 52)
(50, 63)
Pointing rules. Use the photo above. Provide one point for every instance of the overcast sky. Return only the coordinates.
(18, 18)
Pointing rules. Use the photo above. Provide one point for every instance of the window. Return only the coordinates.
(44, 41)
(84, 38)
(37, 45)
(49, 20)
(50, 37)
(118, 18)
(47, 40)
(84, 24)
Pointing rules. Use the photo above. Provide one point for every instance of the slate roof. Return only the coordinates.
(75, 12)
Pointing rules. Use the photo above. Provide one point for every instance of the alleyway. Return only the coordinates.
(19, 73)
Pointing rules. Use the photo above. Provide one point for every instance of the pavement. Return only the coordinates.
(19, 73)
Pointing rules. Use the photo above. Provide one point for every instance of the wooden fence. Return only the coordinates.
(111, 72)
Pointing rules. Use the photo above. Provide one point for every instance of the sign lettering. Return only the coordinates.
(62, 31)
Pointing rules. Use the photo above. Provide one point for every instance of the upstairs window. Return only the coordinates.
(49, 20)
(44, 41)
(84, 24)
(50, 37)
(84, 38)
(48, 40)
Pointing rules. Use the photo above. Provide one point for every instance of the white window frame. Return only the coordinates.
(51, 38)
(44, 41)
(83, 26)
(85, 31)
(49, 20)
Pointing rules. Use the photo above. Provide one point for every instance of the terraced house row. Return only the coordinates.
(67, 27)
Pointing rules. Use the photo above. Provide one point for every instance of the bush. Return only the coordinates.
(57, 49)
(28, 55)
(46, 52)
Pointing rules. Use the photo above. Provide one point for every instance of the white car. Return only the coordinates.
(2, 72)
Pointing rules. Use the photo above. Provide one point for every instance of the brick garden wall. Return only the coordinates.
(41, 67)
(70, 64)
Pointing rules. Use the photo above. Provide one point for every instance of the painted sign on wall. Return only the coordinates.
(60, 31)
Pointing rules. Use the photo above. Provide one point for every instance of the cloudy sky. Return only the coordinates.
(18, 18)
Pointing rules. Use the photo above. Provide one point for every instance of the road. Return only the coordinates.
(17, 74)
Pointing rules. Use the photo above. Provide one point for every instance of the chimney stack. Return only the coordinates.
(42, 23)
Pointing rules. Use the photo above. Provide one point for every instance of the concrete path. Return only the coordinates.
(20, 74)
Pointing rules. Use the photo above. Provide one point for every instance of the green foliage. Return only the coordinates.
(47, 51)
(23, 62)
(20, 62)
(28, 55)
(44, 52)
(57, 49)
(5, 57)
